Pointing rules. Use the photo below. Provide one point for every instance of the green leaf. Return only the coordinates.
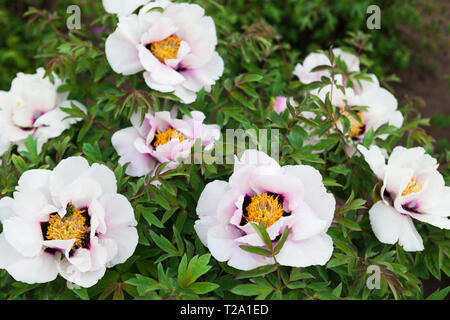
(203, 287)
(197, 267)
(251, 290)
(19, 163)
(439, 294)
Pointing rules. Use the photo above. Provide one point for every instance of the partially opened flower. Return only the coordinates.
(33, 107)
(381, 109)
(261, 191)
(174, 46)
(411, 188)
(121, 7)
(305, 71)
(161, 138)
(69, 220)
(280, 104)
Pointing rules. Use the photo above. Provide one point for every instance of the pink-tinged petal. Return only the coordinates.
(207, 204)
(322, 203)
(143, 127)
(39, 269)
(221, 241)
(280, 104)
(205, 76)
(374, 157)
(307, 223)
(312, 251)
(244, 260)
(304, 73)
(350, 60)
(122, 8)
(162, 28)
(386, 222)
(409, 238)
(139, 164)
(164, 75)
(120, 47)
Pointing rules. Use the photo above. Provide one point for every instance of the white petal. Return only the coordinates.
(315, 194)
(386, 222)
(409, 238)
(313, 251)
(120, 47)
(374, 157)
(122, 8)
(105, 176)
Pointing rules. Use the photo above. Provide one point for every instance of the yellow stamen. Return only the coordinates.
(165, 136)
(264, 208)
(413, 186)
(355, 124)
(166, 49)
(72, 226)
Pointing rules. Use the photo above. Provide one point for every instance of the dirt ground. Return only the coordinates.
(429, 79)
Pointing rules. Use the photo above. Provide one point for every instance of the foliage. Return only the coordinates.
(260, 46)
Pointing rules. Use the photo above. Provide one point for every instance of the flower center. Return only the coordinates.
(356, 127)
(165, 136)
(165, 49)
(72, 226)
(265, 208)
(413, 186)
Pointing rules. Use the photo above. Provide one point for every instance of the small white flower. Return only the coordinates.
(412, 188)
(161, 138)
(175, 48)
(260, 190)
(33, 107)
(69, 220)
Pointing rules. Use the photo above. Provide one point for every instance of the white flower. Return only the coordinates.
(306, 75)
(69, 220)
(33, 107)
(123, 7)
(412, 188)
(260, 190)
(175, 48)
(160, 138)
(381, 109)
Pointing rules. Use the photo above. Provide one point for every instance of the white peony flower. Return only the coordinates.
(121, 7)
(69, 220)
(160, 138)
(306, 75)
(174, 47)
(260, 190)
(412, 188)
(33, 107)
(381, 109)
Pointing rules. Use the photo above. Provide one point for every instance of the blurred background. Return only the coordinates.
(410, 53)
